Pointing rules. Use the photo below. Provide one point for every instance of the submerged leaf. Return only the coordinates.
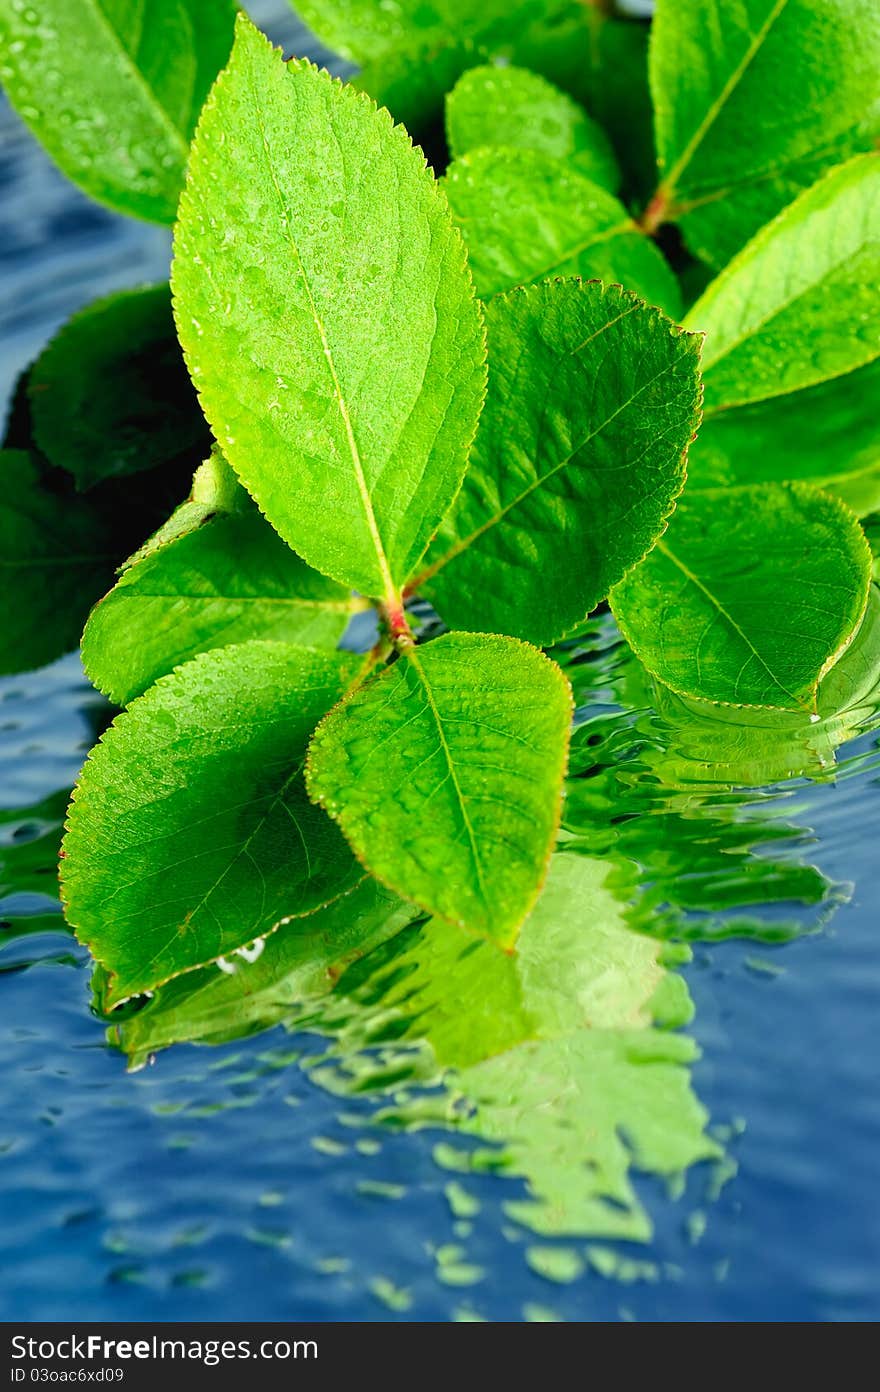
(711, 744)
(231, 580)
(510, 106)
(344, 373)
(753, 101)
(527, 216)
(445, 773)
(110, 395)
(750, 597)
(190, 834)
(579, 456)
(114, 92)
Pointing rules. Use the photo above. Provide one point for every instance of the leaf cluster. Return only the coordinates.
(466, 390)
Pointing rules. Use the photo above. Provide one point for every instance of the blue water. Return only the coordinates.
(224, 1183)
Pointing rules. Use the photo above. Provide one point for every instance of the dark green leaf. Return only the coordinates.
(190, 834)
(300, 962)
(56, 559)
(111, 396)
(364, 30)
(445, 774)
(828, 435)
(580, 454)
(412, 82)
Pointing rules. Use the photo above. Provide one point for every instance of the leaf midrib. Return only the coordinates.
(129, 63)
(390, 589)
(671, 178)
(716, 604)
(411, 656)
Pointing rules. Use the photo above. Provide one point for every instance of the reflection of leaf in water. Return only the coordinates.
(29, 908)
(664, 783)
(300, 962)
(549, 1052)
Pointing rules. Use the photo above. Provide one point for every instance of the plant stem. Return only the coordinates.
(656, 213)
(396, 624)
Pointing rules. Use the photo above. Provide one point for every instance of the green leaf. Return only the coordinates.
(215, 492)
(609, 75)
(363, 30)
(445, 771)
(113, 91)
(751, 597)
(412, 82)
(754, 748)
(526, 216)
(327, 316)
(190, 834)
(799, 304)
(579, 456)
(56, 559)
(752, 102)
(828, 435)
(110, 396)
(231, 580)
(510, 106)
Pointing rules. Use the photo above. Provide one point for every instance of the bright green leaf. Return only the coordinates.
(231, 580)
(113, 89)
(526, 217)
(752, 102)
(445, 772)
(799, 304)
(111, 395)
(579, 456)
(327, 316)
(56, 559)
(190, 834)
(750, 597)
(510, 106)
(752, 748)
